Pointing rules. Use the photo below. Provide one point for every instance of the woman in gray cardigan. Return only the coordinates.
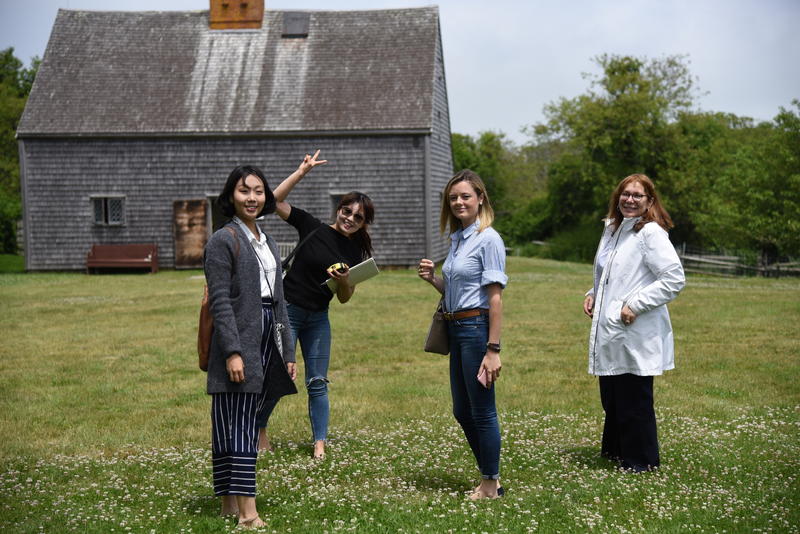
(251, 357)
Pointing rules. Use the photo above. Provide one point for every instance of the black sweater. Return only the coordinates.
(304, 283)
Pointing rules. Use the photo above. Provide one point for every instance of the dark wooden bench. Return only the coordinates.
(133, 256)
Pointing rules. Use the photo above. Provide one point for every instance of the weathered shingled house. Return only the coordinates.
(136, 118)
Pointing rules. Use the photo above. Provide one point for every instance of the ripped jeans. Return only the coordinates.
(313, 330)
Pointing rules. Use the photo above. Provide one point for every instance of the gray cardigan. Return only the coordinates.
(235, 302)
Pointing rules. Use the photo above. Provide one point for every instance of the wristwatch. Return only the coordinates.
(493, 346)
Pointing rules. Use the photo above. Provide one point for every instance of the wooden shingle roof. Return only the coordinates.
(164, 73)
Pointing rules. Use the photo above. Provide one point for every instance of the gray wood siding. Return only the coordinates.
(61, 175)
(441, 153)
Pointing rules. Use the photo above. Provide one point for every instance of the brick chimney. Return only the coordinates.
(235, 14)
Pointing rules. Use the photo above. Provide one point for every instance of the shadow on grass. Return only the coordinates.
(439, 482)
(587, 457)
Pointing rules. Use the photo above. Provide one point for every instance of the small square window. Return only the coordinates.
(108, 211)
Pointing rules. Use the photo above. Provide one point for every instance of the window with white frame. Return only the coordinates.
(108, 210)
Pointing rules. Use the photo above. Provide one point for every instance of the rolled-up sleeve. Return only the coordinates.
(493, 256)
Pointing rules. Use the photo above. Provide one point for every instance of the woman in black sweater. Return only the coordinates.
(345, 241)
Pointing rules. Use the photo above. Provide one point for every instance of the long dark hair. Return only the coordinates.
(655, 212)
(362, 235)
(224, 200)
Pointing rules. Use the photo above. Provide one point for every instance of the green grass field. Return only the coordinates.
(105, 428)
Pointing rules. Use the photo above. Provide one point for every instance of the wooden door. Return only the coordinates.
(190, 233)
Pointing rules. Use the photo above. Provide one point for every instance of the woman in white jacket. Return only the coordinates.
(636, 273)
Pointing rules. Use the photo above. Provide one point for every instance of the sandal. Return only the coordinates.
(255, 522)
(477, 495)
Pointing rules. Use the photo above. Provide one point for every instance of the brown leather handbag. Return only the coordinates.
(206, 324)
(204, 330)
(438, 340)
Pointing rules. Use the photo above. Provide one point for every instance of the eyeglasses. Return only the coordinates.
(635, 196)
(347, 212)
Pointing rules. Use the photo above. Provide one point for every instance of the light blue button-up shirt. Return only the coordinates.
(476, 259)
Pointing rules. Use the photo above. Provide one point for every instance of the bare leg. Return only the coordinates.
(229, 506)
(248, 515)
(263, 440)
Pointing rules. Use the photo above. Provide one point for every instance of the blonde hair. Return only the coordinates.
(485, 211)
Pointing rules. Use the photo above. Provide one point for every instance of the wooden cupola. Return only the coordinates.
(236, 14)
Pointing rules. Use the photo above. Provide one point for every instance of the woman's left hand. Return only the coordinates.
(491, 363)
(291, 368)
(309, 162)
(627, 315)
(343, 288)
(341, 277)
(235, 367)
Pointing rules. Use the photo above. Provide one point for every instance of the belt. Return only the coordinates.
(463, 314)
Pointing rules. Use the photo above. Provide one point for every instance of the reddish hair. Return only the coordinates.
(654, 213)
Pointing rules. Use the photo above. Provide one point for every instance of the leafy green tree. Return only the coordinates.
(622, 125)
(485, 155)
(726, 181)
(15, 85)
(515, 176)
(755, 201)
(700, 154)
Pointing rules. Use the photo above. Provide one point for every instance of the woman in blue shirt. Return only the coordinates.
(472, 285)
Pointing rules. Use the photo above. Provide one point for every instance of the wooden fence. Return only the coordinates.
(699, 261)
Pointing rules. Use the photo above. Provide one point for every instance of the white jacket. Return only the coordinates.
(643, 271)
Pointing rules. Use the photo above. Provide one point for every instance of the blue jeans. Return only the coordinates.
(313, 331)
(473, 404)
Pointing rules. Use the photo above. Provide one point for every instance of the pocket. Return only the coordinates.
(612, 313)
(611, 318)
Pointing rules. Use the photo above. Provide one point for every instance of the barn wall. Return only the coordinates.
(61, 175)
(441, 155)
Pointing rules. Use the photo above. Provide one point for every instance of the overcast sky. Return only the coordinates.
(506, 59)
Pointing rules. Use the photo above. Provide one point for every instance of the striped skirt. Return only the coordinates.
(234, 434)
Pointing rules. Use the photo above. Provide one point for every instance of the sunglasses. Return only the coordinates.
(347, 212)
